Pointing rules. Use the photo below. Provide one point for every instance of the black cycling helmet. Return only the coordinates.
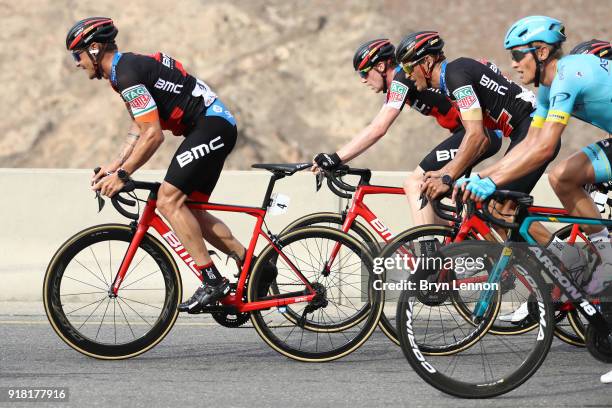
(90, 30)
(602, 49)
(370, 53)
(417, 45)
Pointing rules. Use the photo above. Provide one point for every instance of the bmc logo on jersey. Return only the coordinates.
(200, 151)
(168, 86)
(492, 85)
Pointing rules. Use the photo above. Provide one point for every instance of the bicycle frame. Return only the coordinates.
(150, 219)
(359, 209)
(563, 282)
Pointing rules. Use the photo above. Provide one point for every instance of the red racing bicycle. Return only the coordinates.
(111, 291)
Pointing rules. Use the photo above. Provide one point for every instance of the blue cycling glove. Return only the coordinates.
(462, 180)
(482, 188)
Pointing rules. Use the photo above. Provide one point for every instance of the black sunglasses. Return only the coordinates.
(518, 55)
(77, 55)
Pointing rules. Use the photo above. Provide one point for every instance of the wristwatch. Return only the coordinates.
(123, 174)
(448, 180)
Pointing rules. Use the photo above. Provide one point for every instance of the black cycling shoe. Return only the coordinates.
(203, 296)
(269, 275)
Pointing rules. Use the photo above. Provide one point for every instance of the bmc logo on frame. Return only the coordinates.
(181, 251)
(197, 152)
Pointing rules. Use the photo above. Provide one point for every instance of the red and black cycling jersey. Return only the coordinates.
(481, 92)
(430, 102)
(158, 87)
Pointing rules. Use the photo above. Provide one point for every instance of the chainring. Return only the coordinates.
(232, 319)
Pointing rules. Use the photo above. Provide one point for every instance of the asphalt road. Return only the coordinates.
(204, 365)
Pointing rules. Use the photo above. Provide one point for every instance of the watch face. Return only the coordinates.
(122, 174)
(446, 179)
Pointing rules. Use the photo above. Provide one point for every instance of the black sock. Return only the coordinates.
(211, 274)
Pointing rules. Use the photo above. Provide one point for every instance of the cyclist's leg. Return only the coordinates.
(412, 187)
(215, 231)
(567, 179)
(435, 160)
(591, 165)
(195, 168)
(218, 234)
(171, 204)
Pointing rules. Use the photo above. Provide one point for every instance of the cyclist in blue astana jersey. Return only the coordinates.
(575, 85)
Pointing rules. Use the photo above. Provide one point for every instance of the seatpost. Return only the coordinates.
(266, 200)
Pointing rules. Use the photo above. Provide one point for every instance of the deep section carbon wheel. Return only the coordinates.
(345, 310)
(87, 317)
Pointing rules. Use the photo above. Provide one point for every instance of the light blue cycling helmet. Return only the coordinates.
(535, 28)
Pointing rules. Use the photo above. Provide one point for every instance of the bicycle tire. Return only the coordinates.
(576, 335)
(328, 218)
(335, 219)
(56, 276)
(465, 332)
(443, 231)
(353, 335)
(455, 383)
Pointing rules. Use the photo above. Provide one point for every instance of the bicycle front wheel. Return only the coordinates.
(346, 310)
(493, 365)
(87, 317)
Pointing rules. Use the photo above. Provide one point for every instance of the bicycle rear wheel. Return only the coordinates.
(78, 304)
(334, 221)
(347, 308)
(493, 365)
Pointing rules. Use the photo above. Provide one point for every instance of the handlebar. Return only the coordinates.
(117, 200)
(338, 186)
(443, 210)
(522, 199)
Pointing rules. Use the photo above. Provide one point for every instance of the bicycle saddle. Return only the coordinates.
(284, 168)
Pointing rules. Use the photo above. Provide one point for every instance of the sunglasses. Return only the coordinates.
(518, 55)
(408, 67)
(77, 55)
(364, 72)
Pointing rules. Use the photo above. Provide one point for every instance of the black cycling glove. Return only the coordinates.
(327, 161)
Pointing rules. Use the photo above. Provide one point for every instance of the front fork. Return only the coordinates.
(495, 276)
(141, 229)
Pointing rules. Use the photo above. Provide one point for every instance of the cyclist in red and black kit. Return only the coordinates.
(160, 95)
(375, 63)
(486, 99)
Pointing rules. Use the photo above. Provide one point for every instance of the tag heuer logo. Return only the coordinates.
(137, 96)
(465, 96)
(397, 92)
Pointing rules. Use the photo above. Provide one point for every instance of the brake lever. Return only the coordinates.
(101, 201)
(424, 201)
(319, 177)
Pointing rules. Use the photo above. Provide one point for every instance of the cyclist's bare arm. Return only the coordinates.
(126, 150)
(474, 144)
(370, 134)
(538, 147)
(149, 139)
